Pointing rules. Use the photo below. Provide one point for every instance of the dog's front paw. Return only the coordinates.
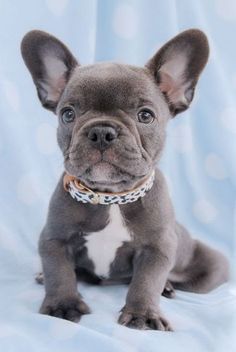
(70, 308)
(150, 320)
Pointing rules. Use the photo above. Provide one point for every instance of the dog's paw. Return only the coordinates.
(39, 278)
(71, 308)
(168, 291)
(143, 321)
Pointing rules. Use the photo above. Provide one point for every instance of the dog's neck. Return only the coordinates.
(83, 194)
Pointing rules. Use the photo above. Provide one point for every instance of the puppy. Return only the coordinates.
(110, 218)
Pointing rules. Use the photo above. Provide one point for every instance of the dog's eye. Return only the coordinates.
(146, 116)
(68, 115)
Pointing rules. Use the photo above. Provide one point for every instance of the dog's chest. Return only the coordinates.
(102, 245)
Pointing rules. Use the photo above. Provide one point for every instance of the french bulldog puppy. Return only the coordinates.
(110, 218)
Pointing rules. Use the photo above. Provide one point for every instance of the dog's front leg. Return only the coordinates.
(62, 299)
(141, 311)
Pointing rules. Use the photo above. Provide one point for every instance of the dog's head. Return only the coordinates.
(112, 117)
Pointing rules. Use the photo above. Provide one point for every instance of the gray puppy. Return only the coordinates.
(110, 218)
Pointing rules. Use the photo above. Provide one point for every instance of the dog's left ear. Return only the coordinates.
(50, 63)
(177, 66)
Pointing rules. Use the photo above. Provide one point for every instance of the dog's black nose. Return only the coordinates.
(102, 136)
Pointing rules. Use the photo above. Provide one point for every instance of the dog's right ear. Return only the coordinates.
(177, 66)
(50, 64)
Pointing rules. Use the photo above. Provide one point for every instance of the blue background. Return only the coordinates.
(199, 163)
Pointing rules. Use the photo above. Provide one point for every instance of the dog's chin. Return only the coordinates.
(107, 186)
(105, 177)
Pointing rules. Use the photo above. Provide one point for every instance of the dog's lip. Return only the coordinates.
(106, 182)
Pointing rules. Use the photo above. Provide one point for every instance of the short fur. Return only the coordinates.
(107, 97)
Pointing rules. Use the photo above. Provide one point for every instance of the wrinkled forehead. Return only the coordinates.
(108, 86)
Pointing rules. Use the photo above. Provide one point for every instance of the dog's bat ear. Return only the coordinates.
(177, 66)
(50, 64)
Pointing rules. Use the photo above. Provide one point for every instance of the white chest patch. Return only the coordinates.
(102, 245)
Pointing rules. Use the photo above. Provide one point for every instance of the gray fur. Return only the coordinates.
(162, 255)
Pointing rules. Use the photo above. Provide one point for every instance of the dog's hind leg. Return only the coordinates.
(206, 270)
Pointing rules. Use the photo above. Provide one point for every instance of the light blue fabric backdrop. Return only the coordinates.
(199, 163)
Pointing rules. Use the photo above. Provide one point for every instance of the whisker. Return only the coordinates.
(73, 151)
(68, 154)
(74, 159)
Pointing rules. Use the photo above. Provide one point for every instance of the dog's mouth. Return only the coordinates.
(106, 173)
(116, 169)
(106, 177)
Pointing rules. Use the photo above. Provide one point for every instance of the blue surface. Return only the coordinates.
(199, 162)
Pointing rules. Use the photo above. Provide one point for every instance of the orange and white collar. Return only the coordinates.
(83, 194)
